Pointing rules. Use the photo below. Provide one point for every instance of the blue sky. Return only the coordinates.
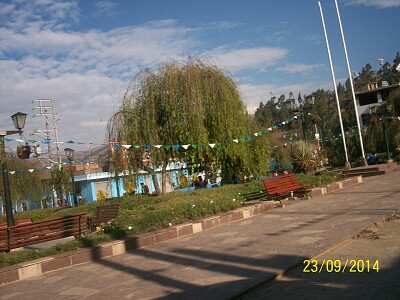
(84, 53)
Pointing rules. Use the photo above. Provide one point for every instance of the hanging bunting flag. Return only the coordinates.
(49, 167)
(236, 140)
(176, 147)
(167, 147)
(136, 146)
(248, 137)
(46, 142)
(194, 146)
(212, 145)
(148, 146)
(31, 170)
(185, 146)
(127, 146)
(116, 146)
(12, 172)
(270, 129)
(243, 139)
(256, 134)
(158, 146)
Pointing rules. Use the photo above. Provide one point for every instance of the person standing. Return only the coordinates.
(145, 189)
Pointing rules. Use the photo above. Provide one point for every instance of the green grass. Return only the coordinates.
(139, 214)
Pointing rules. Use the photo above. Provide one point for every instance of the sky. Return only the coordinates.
(83, 54)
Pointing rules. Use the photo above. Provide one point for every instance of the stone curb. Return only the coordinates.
(71, 258)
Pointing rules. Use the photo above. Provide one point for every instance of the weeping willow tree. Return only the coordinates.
(25, 186)
(189, 111)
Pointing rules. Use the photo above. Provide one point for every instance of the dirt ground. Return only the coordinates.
(372, 270)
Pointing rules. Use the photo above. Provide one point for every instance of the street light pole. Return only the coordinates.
(290, 105)
(375, 109)
(19, 123)
(70, 155)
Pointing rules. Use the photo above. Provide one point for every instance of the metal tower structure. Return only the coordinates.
(45, 108)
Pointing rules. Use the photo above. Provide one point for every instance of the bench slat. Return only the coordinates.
(105, 213)
(41, 231)
(280, 185)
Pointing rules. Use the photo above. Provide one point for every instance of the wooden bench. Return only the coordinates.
(281, 185)
(25, 234)
(16, 222)
(103, 214)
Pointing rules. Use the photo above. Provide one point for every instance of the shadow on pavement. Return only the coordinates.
(330, 285)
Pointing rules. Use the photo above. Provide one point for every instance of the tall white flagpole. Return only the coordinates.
(352, 86)
(347, 163)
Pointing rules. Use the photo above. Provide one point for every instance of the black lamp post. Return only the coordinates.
(290, 105)
(19, 123)
(70, 155)
(381, 110)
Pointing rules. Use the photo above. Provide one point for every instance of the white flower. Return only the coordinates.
(129, 227)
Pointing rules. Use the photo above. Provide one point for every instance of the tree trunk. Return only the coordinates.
(154, 178)
(164, 177)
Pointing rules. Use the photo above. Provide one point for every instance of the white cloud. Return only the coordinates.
(87, 72)
(299, 68)
(375, 3)
(259, 58)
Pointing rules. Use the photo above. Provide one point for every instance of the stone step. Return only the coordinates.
(364, 173)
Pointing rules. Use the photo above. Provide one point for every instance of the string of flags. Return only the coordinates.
(167, 147)
(177, 147)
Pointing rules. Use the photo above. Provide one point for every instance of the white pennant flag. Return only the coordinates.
(295, 117)
(212, 145)
(270, 129)
(12, 172)
(158, 146)
(127, 146)
(49, 167)
(31, 170)
(185, 146)
(256, 134)
(236, 140)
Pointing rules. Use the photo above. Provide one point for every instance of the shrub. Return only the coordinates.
(183, 181)
(100, 195)
(303, 157)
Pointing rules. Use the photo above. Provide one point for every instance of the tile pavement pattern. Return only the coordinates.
(221, 262)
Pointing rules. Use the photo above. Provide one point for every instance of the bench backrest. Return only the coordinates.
(281, 184)
(105, 213)
(41, 231)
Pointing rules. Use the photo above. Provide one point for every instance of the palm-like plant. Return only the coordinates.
(303, 157)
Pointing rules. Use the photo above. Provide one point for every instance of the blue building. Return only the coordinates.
(87, 185)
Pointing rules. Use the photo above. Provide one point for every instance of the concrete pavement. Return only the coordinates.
(225, 261)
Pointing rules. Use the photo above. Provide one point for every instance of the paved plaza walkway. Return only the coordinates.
(231, 260)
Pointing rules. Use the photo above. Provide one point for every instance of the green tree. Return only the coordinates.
(189, 103)
(24, 185)
(61, 181)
